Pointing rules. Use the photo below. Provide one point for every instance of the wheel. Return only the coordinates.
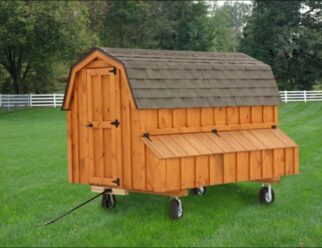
(199, 191)
(265, 197)
(108, 201)
(176, 210)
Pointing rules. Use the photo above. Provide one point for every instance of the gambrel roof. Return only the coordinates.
(187, 79)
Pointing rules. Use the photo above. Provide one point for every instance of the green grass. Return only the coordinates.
(34, 189)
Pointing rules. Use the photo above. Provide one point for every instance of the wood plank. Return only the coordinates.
(148, 119)
(230, 172)
(164, 118)
(199, 146)
(159, 147)
(232, 115)
(156, 173)
(185, 145)
(75, 142)
(90, 134)
(218, 169)
(97, 64)
(188, 172)
(257, 114)
(138, 157)
(253, 140)
(207, 117)
(179, 118)
(208, 140)
(118, 132)
(255, 165)
(268, 163)
(279, 162)
(82, 95)
(69, 146)
(289, 161)
(220, 116)
(126, 135)
(231, 140)
(202, 171)
(268, 114)
(242, 166)
(193, 117)
(262, 137)
(244, 115)
(173, 174)
(275, 115)
(172, 146)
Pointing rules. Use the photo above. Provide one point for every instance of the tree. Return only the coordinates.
(229, 21)
(34, 35)
(174, 25)
(186, 26)
(277, 35)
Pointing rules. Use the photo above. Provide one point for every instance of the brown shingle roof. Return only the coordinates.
(184, 79)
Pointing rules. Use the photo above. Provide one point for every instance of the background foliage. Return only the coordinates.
(40, 40)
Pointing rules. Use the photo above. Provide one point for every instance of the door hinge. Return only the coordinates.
(116, 123)
(113, 70)
(147, 136)
(215, 131)
(89, 125)
(116, 181)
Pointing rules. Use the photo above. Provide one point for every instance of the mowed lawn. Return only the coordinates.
(34, 189)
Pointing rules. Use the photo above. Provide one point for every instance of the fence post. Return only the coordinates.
(54, 100)
(285, 96)
(0, 100)
(304, 93)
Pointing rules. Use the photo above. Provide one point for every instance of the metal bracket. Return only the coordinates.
(117, 181)
(113, 70)
(147, 136)
(215, 131)
(116, 123)
(274, 126)
(89, 124)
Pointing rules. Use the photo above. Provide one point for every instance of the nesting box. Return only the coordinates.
(164, 122)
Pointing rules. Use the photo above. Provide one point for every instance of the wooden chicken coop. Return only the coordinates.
(164, 122)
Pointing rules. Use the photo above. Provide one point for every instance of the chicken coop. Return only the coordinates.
(170, 122)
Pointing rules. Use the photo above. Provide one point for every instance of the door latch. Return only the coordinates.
(89, 124)
(115, 123)
(116, 181)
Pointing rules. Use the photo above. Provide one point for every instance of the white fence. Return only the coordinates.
(31, 100)
(301, 96)
(56, 100)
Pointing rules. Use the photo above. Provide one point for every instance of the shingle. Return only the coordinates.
(173, 79)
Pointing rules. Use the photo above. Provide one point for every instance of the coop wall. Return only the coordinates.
(143, 171)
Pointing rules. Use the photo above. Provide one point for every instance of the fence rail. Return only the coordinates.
(56, 99)
(31, 100)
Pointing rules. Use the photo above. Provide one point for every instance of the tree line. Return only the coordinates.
(40, 40)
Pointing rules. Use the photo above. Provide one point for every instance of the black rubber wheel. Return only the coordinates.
(176, 209)
(199, 191)
(108, 201)
(264, 196)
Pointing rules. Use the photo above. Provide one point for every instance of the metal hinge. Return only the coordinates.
(113, 70)
(116, 123)
(274, 126)
(117, 181)
(215, 131)
(147, 136)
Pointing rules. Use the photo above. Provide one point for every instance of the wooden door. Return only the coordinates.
(103, 125)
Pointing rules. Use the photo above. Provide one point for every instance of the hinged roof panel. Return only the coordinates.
(199, 144)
